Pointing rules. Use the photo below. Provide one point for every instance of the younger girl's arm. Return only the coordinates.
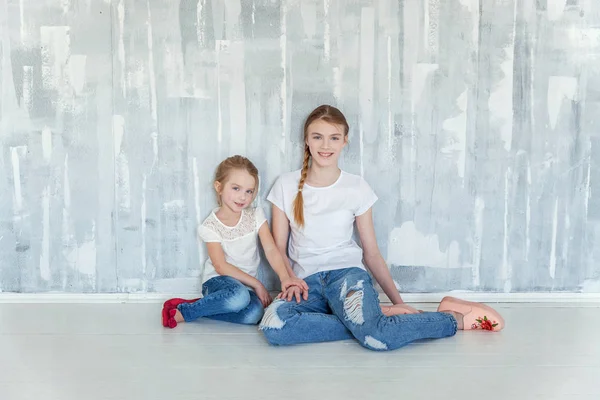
(276, 261)
(281, 232)
(373, 258)
(217, 257)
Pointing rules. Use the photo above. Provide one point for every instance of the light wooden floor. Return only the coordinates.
(121, 351)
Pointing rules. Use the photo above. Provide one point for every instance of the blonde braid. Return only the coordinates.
(299, 200)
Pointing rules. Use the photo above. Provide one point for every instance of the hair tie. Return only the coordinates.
(300, 189)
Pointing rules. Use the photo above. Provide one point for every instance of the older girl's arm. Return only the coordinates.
(373, 258)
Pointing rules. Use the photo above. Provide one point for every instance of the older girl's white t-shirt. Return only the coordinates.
(239, 242)
(326, 241)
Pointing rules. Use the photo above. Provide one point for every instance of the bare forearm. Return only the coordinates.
(227, 269)
(278, 263)
(382, 275)
(288, 267)
(286, 261)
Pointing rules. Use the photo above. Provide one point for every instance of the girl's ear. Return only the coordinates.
(218, 187)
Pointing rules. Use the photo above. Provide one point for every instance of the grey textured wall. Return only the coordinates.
(476, 122)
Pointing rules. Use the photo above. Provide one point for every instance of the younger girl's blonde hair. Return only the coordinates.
(328, 114)
(234, 163)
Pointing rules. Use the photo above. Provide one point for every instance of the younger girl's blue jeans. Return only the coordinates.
(225, 299)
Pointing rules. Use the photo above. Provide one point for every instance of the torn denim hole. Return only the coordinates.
(373, 343)
(271, 319)
(353, 302)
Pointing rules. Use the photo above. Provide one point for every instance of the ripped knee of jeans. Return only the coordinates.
(374, 344)
(353, 302)
(271, 319)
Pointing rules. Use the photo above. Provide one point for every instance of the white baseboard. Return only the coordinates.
(91, 298)
(486, 297)
(489, 297)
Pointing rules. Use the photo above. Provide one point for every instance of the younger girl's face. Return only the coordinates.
(325, 142)
(237, 192)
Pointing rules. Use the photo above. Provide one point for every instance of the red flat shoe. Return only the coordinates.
(171, 304)
(171, 323)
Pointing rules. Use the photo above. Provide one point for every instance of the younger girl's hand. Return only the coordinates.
(263, 295)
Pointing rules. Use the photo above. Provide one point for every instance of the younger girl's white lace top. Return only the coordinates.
(239, 242)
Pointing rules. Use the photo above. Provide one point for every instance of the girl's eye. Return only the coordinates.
(336, 138)
(250, 191)
(236, 188)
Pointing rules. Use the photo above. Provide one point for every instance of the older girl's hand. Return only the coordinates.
(294, 291)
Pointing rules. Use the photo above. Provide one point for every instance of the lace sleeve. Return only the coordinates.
(259, 216)
(245, 226)
(208, 235)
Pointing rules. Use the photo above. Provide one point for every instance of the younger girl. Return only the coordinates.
(320, 204)
(230, 289)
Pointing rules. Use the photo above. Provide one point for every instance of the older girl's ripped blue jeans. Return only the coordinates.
(225, 299)
(342, 304)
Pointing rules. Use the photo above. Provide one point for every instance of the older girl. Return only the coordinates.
(319, 205)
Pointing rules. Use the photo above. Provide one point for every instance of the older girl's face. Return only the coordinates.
(325, 142)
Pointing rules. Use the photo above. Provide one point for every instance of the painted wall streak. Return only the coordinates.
(474, 121)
